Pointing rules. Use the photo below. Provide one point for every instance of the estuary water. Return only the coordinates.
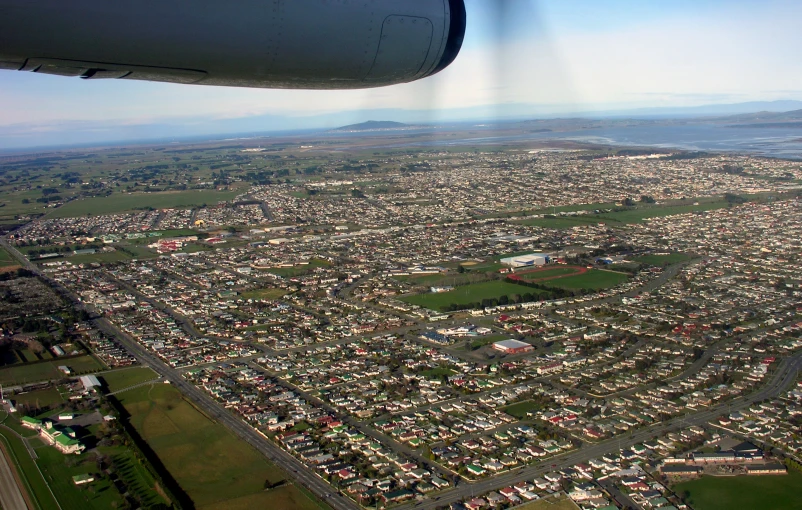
(771, 142)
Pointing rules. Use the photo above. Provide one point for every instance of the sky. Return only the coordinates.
(556, 56)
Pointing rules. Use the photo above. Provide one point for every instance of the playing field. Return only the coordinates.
(549, 273)
(777, 492)
(100, 258)
(127, 377)
(121, 202)
(469, 294)
(290, 272)
(644, 213)
(215, 468)
(594, 279)
(520, 409)
(268, 293)
(20, 374)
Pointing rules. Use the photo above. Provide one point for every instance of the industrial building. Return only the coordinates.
(513, 347)
(531, 259)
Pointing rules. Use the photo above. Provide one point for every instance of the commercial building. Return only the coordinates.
(531, 259)
(513, 347)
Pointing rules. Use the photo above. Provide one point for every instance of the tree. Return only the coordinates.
(461, 269)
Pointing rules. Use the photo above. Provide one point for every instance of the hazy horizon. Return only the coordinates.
(542, 59)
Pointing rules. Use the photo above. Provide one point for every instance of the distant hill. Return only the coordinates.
(792, 119)
(373, 125)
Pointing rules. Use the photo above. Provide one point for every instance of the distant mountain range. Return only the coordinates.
(775, 113)
(374, 125)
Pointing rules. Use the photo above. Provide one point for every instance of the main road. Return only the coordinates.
(292, 466)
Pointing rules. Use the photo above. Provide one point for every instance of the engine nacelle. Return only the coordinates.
(311, 44)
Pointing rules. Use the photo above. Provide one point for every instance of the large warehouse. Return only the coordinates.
(531, 259)
(513, 347)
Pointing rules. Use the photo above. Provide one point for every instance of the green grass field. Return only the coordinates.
(764, 492)
(520, 409)
(19, 374)
(468, 294)
(100, 258)
(127, 377)
(48, 397)
(58, 473)
(549, 273)
(35, 485)
(122, 202)
(268, 293)
(559, 503)
(593, 280)
(484, 266)
(6, 260)
(660, 260)
(289, 272)
(214, 467)
(641, 214)
(437, 372)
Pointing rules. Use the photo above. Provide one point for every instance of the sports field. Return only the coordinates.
(215, 468)
(27, 373)
(127, 377)
(641, 214)
(121, 202)
(469, 294)
(777, 492)
(594, 279)
(290, 272)
(268, 293)
(100, 258)
(548, 273)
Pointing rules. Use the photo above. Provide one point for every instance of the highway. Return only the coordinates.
(293, 467)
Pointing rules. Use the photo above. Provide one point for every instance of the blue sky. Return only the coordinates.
(560, 56)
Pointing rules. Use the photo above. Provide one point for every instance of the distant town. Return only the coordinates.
(352, 324)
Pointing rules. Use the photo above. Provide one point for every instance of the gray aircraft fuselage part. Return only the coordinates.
(304, 44)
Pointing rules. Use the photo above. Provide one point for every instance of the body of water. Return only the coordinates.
(771, 142)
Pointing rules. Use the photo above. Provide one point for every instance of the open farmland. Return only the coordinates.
(214, 467)
(120, 202)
